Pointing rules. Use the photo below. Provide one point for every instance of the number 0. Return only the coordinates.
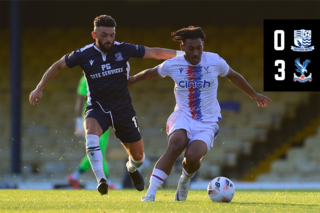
(276, 43)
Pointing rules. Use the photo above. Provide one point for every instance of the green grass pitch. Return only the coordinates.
(129, 201)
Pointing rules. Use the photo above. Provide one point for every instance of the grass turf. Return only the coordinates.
(129, 201)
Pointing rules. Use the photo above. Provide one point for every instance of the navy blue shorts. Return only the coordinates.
(124, 122)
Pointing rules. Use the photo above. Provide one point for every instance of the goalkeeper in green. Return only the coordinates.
(84, 166)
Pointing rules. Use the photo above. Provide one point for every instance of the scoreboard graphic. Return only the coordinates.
(292, 55)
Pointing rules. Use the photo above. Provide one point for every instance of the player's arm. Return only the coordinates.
(160, 53)
(36, 94)
(79, 122)
(239, 81)
(144, 75)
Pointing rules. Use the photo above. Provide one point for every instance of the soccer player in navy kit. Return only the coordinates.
(105, 67)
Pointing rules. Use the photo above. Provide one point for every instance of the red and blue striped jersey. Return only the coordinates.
(196, 85)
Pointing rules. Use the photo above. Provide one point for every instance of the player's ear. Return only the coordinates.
(182, 47)
(94, 35)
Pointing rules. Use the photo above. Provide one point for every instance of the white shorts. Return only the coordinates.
(196, 130)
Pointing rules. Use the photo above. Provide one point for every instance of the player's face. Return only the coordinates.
(104, 37)
(193, 50)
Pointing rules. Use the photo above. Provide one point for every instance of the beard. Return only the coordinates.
(103, 48)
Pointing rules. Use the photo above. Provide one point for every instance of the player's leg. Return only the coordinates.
(191, 163)
(127, 130)
(93, 132)
(85, 163)
(194, 153)
(103, 142)
(178, 141)
(95, 124)
(136, 159)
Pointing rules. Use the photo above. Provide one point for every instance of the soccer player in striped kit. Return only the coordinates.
(106, 69)
(192, 127)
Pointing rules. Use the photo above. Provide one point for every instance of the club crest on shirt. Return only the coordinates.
(302, 40)
(206, 70)
(118, 56)
(302, 69)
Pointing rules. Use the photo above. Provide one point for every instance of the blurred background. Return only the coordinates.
(278, 144)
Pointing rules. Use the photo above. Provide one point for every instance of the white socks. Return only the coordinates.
(133, 165)
(95, 156)
(156, 180)
(186, 176)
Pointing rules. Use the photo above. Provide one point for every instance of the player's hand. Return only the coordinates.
(79, 127)
(35, 96)
(261, 100)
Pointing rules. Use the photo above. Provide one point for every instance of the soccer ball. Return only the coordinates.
(221, 189)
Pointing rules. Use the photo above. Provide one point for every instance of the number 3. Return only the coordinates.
(281, 70)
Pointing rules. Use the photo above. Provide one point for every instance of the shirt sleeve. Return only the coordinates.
(82, 87)
(223, 67)
(164, 69)
(135, 51)
(73, 59)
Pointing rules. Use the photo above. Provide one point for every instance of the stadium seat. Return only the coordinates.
(238, 120)
(216, 156)
(313, 142)
(269, 177)
(229, 143)
(313, 153)
(260, 120)
(231, 159)
(308, 167)
(294, 177)
(312, 178)
(246, 132)
(282, 167)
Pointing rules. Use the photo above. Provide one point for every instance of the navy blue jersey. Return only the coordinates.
(106, 74)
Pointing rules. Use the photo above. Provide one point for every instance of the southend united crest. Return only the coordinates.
(302, 69)
(302, 40)
(118, 56)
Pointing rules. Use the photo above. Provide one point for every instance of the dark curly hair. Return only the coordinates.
(104, 21)
(190, 32)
